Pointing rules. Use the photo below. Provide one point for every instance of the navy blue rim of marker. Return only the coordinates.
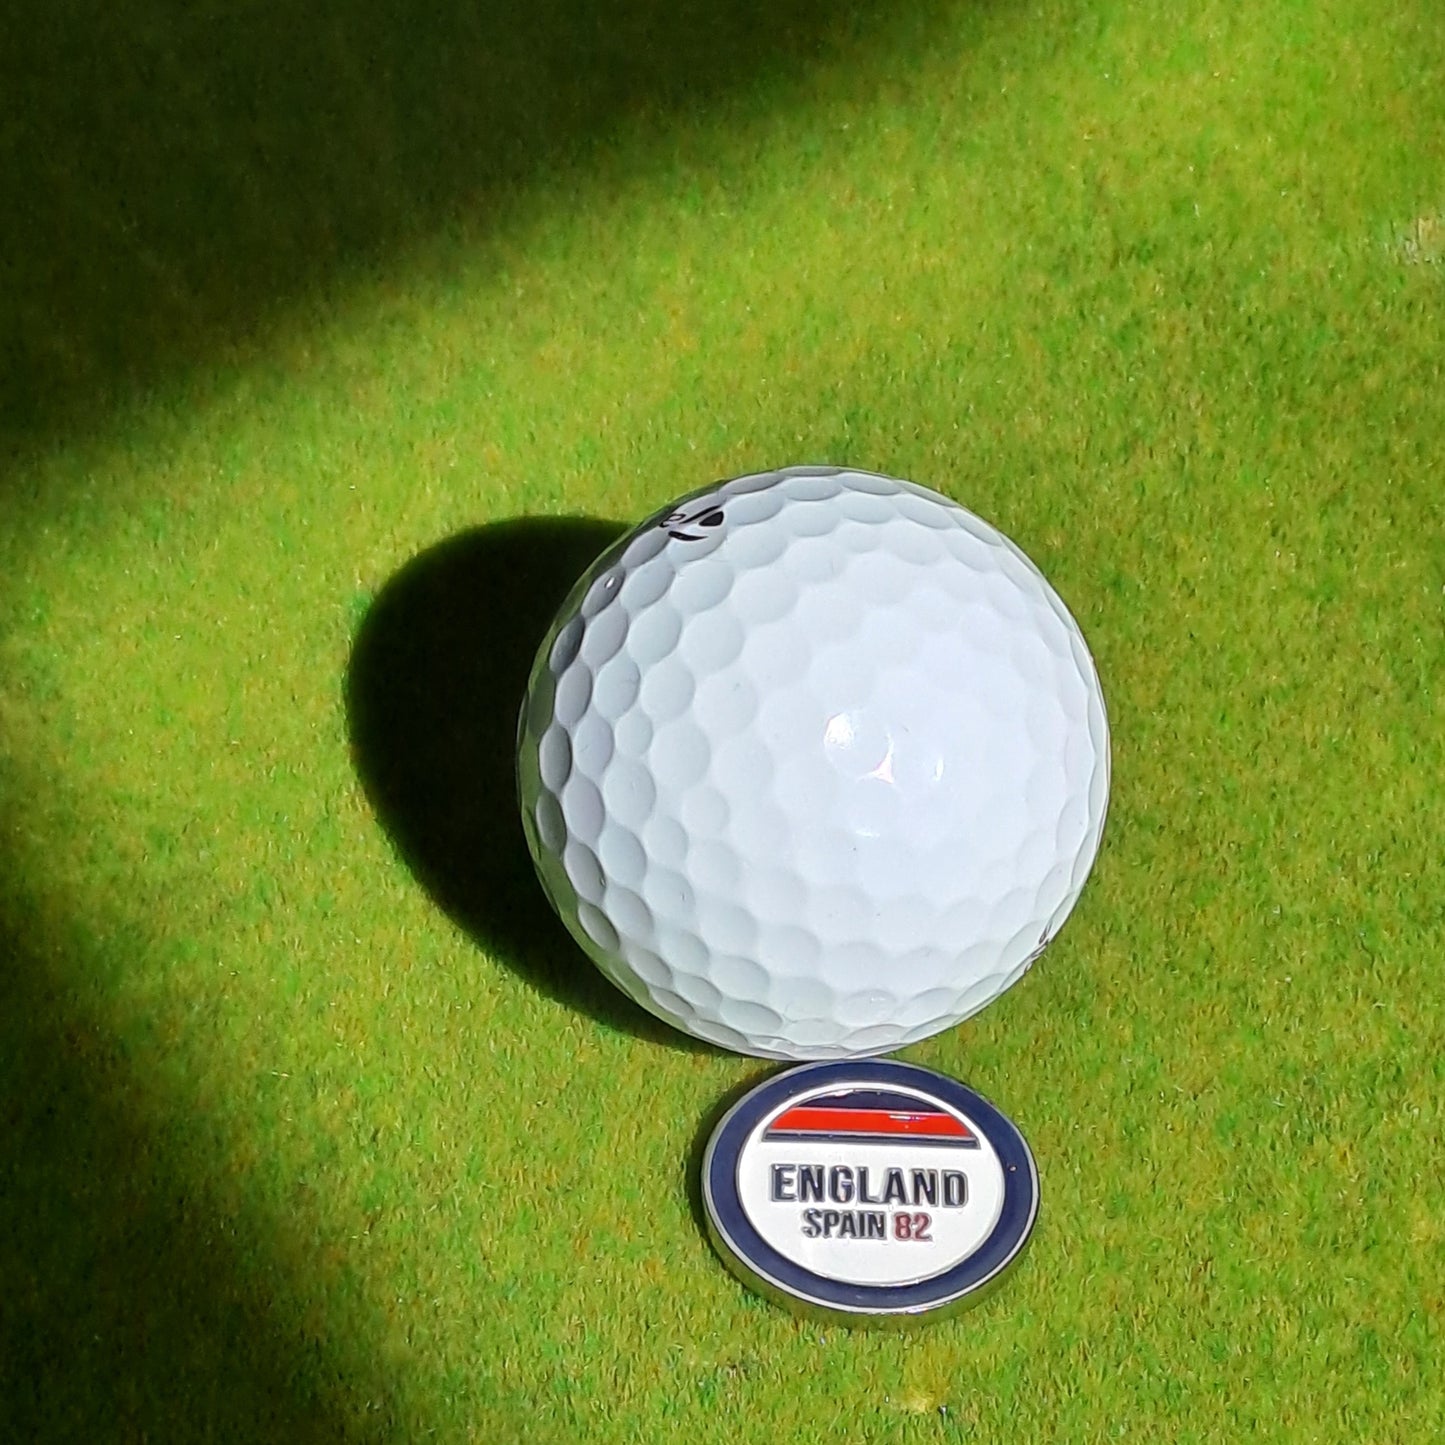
(1010, 1232)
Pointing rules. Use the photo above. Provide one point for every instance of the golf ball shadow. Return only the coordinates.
(436, 676)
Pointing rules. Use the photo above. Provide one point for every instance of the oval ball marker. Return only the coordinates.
(868, 1191)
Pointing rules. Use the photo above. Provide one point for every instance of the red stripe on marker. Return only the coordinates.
(806, 1120)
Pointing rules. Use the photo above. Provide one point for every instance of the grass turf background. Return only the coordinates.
(313, 1129)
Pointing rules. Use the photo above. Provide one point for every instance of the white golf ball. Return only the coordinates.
(813, 763)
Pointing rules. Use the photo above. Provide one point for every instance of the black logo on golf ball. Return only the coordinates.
(674, 522)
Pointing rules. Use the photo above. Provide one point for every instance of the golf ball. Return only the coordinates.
(813, 763)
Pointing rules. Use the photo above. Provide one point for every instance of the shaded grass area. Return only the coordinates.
(173, 176)
(145, 1298)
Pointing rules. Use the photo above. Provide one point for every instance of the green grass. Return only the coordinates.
(314, 1128)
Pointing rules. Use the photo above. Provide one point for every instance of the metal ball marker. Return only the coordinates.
(868, 1192)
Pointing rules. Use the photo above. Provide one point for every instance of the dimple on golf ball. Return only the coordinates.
(813, 763)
